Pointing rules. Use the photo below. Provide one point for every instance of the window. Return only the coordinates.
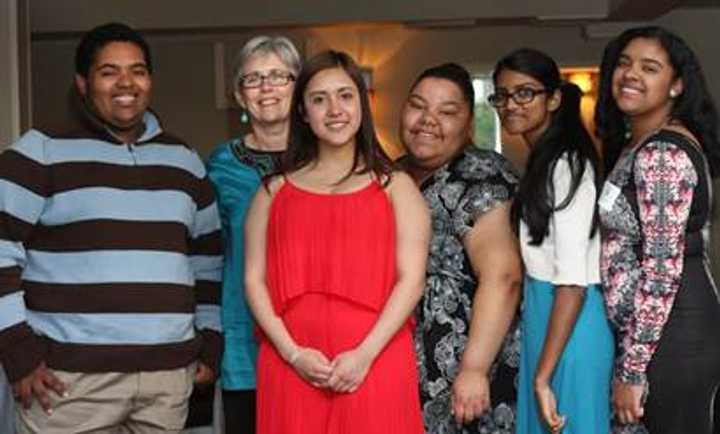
(487, 124)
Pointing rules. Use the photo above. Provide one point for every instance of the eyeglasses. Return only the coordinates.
(274, 77)
(521, 96)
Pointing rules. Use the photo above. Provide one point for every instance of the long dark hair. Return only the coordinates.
(565, 137)
(303, 145)
(694, 107)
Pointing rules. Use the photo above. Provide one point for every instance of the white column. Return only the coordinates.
(9, 73)
(9, 131)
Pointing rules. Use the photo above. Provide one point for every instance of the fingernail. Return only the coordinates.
(49, 411)
(66, 394)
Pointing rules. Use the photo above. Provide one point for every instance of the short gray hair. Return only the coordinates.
(281, 46)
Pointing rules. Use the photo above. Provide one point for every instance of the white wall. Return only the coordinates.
(185, 73)
(700, 29)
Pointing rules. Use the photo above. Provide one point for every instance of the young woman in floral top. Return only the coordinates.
(466, 341)
(659, 128)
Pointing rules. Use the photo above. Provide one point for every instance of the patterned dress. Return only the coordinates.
(457, 194)
(661, 300)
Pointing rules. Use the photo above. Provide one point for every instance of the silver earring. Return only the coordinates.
(673, 93)
(244, 117)
(627, 128)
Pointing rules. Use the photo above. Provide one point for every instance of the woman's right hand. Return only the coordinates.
(312, 365)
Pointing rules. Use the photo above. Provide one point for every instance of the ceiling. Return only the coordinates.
(73, 16)
(700, 3)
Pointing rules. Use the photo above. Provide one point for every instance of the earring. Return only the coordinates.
(673, 93)
(627, 131)
(244, 117)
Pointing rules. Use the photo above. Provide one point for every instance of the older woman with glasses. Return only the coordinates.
(264, 79)
(473, 273)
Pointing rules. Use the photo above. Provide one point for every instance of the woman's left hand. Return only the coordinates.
(627, 402)
(349, 370)
(548, 407)
(470, 395)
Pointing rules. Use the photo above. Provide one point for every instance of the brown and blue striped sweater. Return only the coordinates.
(110, 254)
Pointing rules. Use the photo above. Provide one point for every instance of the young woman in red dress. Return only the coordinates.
(336, 251)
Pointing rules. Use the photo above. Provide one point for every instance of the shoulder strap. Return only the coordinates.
(700, 210)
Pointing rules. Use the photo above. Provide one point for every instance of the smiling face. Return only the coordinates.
(331, 106)
(436, 122)
(532, 118)
(267, 103)
(118, 88)
(643, 79)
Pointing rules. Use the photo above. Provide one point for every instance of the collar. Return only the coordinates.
(93, 122)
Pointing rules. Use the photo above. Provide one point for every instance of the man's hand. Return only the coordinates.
(204, 375)
(37, 384)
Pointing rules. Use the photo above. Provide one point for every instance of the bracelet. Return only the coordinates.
(295, 355)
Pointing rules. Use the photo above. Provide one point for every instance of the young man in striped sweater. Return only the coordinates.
(109, 259)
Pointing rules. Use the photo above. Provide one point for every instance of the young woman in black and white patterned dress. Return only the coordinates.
(466, 342)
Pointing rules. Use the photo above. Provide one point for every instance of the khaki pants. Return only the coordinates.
(114, 403)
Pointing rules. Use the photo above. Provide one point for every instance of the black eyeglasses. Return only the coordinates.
(274, 77)
(521, 96)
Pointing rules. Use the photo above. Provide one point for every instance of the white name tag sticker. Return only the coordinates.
(609, 195)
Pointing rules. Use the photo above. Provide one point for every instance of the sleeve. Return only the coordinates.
(215, 176)
(571, 226)
(664, 178)
(23, 193)
(483, 191)
(206, 260)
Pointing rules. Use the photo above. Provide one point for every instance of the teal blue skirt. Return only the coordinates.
(582, 378)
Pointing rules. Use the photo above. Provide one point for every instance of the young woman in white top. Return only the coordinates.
(567, 346)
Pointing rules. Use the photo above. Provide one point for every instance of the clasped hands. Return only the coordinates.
(344, 374)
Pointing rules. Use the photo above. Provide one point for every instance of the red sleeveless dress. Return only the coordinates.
(330, 270)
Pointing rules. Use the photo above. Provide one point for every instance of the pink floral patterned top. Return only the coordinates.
(646, 210)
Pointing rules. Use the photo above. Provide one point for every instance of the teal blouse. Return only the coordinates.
(236, 173)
